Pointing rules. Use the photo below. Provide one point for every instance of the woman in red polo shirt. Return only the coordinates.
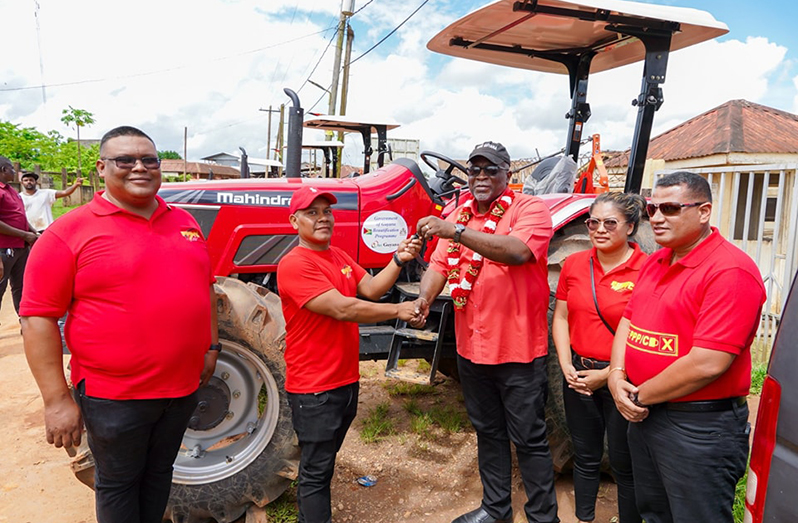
(595, 286)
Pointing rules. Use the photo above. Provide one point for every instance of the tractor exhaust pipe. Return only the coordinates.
(293, 156)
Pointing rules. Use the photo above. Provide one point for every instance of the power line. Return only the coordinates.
(391, 33)
(362, 7)
(160, 71)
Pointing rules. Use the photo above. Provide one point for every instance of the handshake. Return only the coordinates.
(414, 312)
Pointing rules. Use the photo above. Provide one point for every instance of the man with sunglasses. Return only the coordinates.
(494, 259)
(135, 276)
(681, 360)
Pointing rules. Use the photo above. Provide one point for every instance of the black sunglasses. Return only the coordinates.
(610, 224)
(129, 162)
(489, 170)
(669, 208)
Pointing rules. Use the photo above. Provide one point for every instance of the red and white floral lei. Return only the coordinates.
(461, 288)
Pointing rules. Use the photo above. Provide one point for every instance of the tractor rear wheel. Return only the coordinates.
(240, 447)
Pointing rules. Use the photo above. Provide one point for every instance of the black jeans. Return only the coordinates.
(588, 418)
(320, 421)
(13, 271)
(506, 403)
(134, 443)
(687, 464)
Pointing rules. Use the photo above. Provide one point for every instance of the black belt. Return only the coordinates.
(589, 363)
(706, 406)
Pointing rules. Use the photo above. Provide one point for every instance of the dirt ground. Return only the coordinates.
(423, 475)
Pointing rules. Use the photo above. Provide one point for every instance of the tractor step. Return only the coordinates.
(417, 334)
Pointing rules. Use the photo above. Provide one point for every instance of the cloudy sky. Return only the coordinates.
(211, 65)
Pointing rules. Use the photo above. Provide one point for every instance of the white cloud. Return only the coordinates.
(210, 65)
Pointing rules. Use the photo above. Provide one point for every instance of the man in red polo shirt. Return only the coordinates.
(134, 275)
(16, 234)
(684, 346)
(319, 285)
(495, 264)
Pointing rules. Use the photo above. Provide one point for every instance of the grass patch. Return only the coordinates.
(59, 209)
(424, 366)
(412, 407)
(758, 373)
(738, 509)
(284, 508)
(377, 425)
(422, 424)
(449, 418)
(401, 388)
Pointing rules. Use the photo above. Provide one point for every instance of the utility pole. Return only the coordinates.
(346, 12)
(280, 139)
(269, 132)
(350, 36)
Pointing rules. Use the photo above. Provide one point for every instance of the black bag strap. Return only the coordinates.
(595, 299)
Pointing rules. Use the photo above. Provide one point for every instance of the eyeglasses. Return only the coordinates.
(610, 224)
(489, 170)
(129, 162)
(669, 208)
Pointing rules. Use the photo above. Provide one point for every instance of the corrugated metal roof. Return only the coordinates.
(219, 171)
(738, 126)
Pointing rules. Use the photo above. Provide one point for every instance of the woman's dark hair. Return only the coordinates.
(632, 206)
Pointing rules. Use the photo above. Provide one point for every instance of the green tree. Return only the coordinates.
(169, 155)
(30, 147)
(78, 117)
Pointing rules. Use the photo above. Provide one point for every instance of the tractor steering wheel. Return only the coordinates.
(446, 174)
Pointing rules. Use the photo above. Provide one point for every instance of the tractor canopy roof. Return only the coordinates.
(345, 123)
(540, 34)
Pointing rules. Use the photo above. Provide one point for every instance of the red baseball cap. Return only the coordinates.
(303, 198)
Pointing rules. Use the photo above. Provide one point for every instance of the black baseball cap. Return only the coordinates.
(28, 174)
(492, 151)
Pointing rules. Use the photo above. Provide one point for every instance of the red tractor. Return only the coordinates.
(239, 448)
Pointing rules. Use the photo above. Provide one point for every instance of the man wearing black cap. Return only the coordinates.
(495, 264)
(39, 202)
(319, 285)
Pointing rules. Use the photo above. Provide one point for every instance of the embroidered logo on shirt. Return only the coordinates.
(620, 286)
(653, 342)
(191, 235)
(347, 271)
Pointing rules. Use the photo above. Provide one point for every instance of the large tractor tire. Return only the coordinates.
(568, 240)
(240, 448)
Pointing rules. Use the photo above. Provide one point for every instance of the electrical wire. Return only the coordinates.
(160, 71)
(391, 33)
(362, 7)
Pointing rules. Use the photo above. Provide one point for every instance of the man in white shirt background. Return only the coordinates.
(39, 202)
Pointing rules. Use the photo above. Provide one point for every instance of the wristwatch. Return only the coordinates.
(634, 399)
(458, 230)
(215, 346)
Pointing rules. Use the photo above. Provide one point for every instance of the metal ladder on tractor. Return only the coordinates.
(432, 335)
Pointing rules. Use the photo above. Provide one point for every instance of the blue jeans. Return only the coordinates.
(687, 464)
(320, 422)
(134, 444)
(506, 403)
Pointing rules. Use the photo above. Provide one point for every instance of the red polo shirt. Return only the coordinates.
(589, 336)
(504, 320)
(321, 353)
(712, 298)
(137, 292)
(12, 212)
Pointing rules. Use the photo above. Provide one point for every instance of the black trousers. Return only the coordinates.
(134, 444)
(321, 421)
(687, 464)
(506, 403)
(588, 418)
(13, 271)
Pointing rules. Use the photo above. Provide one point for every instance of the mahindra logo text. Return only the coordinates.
(245, 198)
